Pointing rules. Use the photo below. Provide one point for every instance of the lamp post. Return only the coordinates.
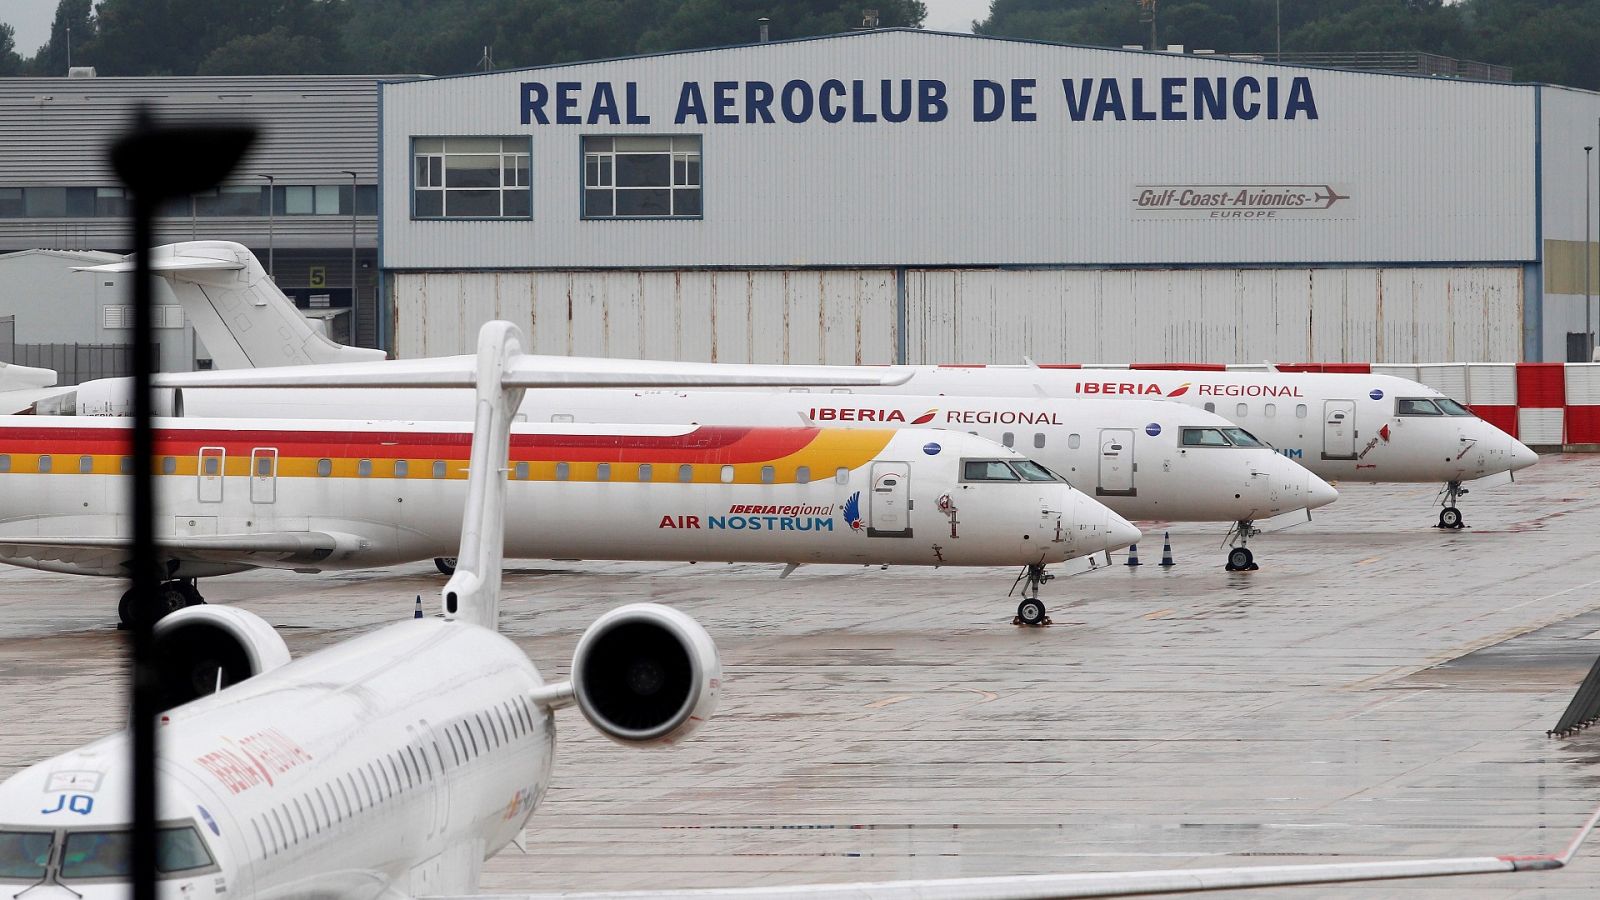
(353, 293)
(272, 208)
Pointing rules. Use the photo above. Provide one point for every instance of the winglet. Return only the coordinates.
(473, 592)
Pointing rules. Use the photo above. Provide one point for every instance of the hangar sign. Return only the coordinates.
(1237, 201)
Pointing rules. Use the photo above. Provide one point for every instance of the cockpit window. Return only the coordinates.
(1203, 437)
(104, 854)
(1416, 406)
(987, 470)
(1452, 408)
(24, 854)
(1242, 438)
(1032, 471)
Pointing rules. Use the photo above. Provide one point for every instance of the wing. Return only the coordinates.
(1110, 884)
(284, 549)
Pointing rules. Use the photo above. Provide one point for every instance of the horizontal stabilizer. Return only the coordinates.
(540, 371)
(170, 264)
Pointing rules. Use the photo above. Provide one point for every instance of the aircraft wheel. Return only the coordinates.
(445, 564)
(1240, 559)
(1031, 611)
(1450, 517)
(125, 611)
(174, 596)
(191, 593)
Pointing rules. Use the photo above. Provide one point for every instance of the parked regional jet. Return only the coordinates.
(1373, 428)
(391, 765)
(322, 495)
(1187, 465)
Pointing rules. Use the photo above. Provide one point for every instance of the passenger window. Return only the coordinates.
(86, 465)
(1270, 410)
(727, 475)
(263, 466)
(562, 469)
(1038, 441)
(602, 472)
(1211, 407)
(1008, 439)
(5, 462)
(169, 465)
(686, 472)
(768, 474)
(211, 465)
(841, 475)
(1074, 442)
(644, 472)
(324, 467)
(438, 468)
(1299, 410)
(124, 465)
(363, 468)
(402, 468)
(802, 475)
(44, 464)
(1242, 410)
(521, 471)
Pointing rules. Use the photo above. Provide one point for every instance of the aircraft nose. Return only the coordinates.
(1318, 492)
(1522, 456)
(1120, 532)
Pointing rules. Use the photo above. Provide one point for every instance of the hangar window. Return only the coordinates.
(11, 203)
(642, 177)
(471, 178)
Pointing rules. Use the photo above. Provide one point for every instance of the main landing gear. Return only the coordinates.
(445, 564)
(1031, 610)
(171, 596)
(1240, 559)
(1450, 516)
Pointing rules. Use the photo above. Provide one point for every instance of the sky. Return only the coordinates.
(31, 18)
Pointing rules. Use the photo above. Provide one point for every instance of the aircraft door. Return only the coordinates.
(1339, 429)
(264, 475)
(211, 466)
(890, 508)
(1116, 463)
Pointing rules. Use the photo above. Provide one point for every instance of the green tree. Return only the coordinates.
(70, 32)
(10, 62)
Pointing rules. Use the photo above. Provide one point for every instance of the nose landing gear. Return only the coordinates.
(1031, 611)
(1240, 559)
(1450, 516)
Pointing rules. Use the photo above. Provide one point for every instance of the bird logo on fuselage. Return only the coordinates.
(852, 511)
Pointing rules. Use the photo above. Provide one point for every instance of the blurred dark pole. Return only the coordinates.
(157, 164)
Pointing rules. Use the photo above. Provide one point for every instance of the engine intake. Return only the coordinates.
(199, 649)
(646, 674)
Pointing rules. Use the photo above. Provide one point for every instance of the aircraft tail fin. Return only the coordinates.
(473, 593)
(241, 316)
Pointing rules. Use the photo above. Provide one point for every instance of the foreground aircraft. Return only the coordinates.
(391, 765)
(1186, 465)
(1343, 427)
(327, 495)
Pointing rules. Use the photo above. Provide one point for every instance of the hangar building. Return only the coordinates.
(905, 195)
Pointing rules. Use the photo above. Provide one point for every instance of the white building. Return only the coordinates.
(924, 197)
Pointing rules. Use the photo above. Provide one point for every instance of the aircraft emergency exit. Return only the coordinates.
(391, 765)
(324, 495)
(1343, 427)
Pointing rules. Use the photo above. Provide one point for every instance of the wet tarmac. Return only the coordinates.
(1379, 689)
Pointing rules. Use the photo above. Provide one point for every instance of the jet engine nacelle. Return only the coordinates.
(201, 649)
(645, 674)
(114, 397)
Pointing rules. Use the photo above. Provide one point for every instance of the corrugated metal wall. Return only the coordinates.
(836, 317)
(979, 316)
(1046, 188)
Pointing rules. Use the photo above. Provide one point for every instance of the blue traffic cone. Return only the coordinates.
(418, 613)
(1166, 549)
(1133, 555)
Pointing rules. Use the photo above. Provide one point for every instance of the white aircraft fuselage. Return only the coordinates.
(1343, 427)
(328, 495)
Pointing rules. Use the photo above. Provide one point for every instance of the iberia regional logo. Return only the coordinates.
(852, 511)
(1180, 390)
(926, 417)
